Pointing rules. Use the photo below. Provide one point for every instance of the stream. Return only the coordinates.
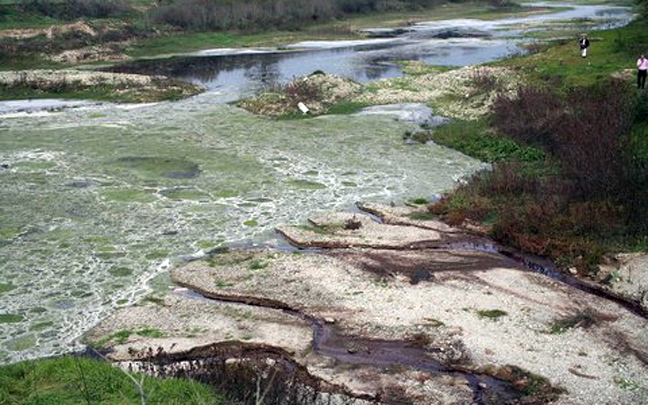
(98, 201)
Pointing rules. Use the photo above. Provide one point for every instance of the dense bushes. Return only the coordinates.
(229, 14)
(72, 9)
(591, 193)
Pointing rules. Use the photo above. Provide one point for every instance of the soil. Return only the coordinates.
(392, 287)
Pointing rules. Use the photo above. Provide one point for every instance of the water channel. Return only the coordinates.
(99, 200)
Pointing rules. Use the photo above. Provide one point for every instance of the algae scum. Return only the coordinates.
(97, 202)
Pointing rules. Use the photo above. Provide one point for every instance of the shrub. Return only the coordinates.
(73, 9)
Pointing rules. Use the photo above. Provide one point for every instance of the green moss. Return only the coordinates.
(6, 287)
(491, 313)
(306, 184)
(129, 195)
(9, 233)
(185, 194)
(158, 254)
(10, 318)
(206, 244)
(578, 320)
(34, 165)
(159, 166)
(20, 344)
(257, 264)
(420, 201)
(150, 332)
(345, 108)
(120, 271)
(39, 326)
(251, 223)
(121, 336)
(223, 284)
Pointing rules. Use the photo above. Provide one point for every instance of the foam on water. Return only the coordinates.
(83, 231)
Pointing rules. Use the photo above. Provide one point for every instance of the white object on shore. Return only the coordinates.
(303, 108)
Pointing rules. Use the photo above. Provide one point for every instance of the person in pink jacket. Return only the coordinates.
(642, 72)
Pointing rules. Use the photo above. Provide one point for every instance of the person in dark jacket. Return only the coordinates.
(583, 42)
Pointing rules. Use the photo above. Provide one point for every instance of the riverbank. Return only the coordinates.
(38, 44)
(450, 324)
(192, 199)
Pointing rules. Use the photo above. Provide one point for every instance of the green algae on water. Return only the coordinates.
(306, 184)
(156, 166)
(10, 318)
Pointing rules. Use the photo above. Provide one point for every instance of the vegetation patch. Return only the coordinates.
(582, 320)
(533, 387)
(11, 318)
(120, 271)
(476, 139)
(21, 343)
(157, 166)
(158, 254)
(493, 314)
(573, 185)
(257, 264)
(185, 193)
(6, 287)
(130, 195)
(303, 184)
(74, 380)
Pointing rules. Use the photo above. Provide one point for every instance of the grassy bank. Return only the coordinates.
(576, 186)
(74, 380)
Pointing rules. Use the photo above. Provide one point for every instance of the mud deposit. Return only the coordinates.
(390, 312)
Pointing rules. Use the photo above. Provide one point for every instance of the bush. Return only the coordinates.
(73, 9)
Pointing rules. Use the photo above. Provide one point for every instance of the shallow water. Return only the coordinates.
(97, 201)
(236, 73)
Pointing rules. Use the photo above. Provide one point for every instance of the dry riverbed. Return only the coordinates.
(405, 308)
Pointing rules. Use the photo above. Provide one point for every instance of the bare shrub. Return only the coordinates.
(484, 81)
(531, 117)
(592, 141)
(302, 90)
(73, 9)
(353, 223)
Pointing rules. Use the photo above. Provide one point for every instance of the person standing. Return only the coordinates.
(642, 71)
(584, 44)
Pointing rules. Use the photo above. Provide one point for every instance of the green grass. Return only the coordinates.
(72, 380)
(475, 138)
(610, 51)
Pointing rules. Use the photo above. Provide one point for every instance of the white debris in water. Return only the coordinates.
(233, 51)
(340, 44)
(413, 112)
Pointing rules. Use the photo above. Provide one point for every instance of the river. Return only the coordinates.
(100, 200)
